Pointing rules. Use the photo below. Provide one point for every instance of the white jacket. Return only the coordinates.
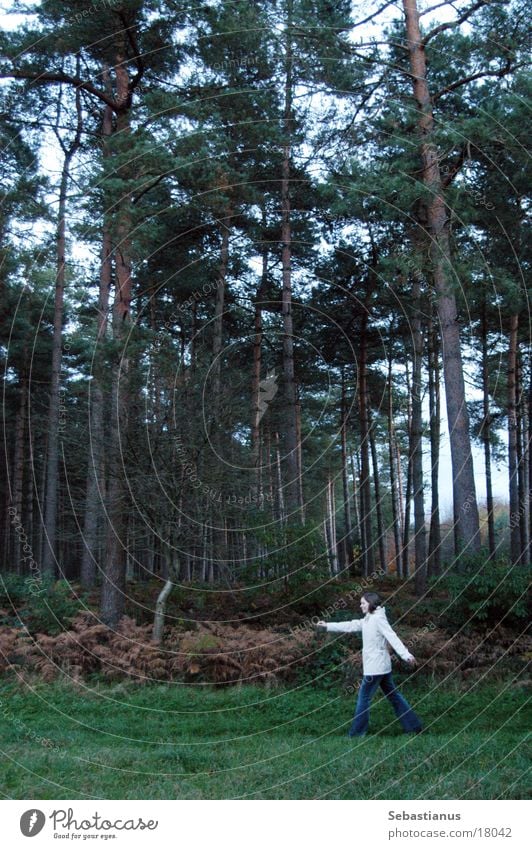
(376, 634)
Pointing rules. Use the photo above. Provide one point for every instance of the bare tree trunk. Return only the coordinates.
(368, 562)
(440, 253)
(95, 493)
(348, 536)
(330, 527)
(299, 458)
(393, 476)
(522, 484)
(255, 379)
(515, 516)
(50, 564)
(434, 555)
(219, 309)
(218, 537)
(486, 431)
(280, 491)
(405, 554)
(18, 473)
(293, 505)
(30, 528)
(529, 450)
(416, 445)
(160, 611)
(376, 487)
(113, 583)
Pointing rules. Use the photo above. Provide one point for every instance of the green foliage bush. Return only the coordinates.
(13, 590)
(46, 608)
(296, 556)
(486, 593)
(326, 666)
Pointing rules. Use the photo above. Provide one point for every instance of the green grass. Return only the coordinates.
(195, 742)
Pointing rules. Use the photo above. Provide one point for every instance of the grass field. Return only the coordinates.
(199, 742)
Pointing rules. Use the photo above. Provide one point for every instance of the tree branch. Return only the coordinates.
(149, 188)
(60, 77)
(451, 24)
(501, 72)
(137, 56)
(449, 175)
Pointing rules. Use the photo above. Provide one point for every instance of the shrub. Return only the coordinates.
(328, 663)
(486, 593)
(13, 592)
(49, 611)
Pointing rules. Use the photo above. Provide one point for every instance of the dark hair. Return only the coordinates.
(374, 600)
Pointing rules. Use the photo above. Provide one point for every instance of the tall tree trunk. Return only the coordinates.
(434, 554)
(368, 561)
(522, 485)
(405, 554)
(330, 526)
(293, 505)
(529, 455)
(515, 516)
(486, 431)
(348, 536)
(396, 522)
(401, 501)
(299, 444)
(416, 444)
(50, 564)
(18, 474)
(219, 311)
(464, 492)
(256, 452)
(281, 515)
(114, 578)
(377, 488)
(356, 508)
(218, 535)
(95, 492)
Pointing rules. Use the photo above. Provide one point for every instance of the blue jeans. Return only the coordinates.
(370, 683)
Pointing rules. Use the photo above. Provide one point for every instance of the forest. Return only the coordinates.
(265, 333)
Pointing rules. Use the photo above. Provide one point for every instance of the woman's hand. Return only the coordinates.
(321, 626)
(412, 660)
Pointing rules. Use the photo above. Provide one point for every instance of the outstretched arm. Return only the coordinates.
(391, 637)
(350, 627)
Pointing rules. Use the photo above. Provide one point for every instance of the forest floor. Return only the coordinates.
(65, 740)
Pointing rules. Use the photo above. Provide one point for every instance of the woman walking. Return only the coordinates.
(377, 633)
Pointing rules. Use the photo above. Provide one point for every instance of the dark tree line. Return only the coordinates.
(254, 255)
